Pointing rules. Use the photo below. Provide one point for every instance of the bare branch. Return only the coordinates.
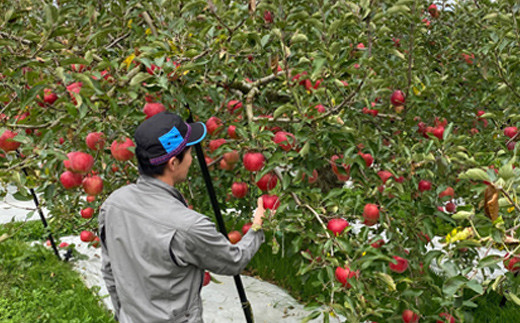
(149, 22)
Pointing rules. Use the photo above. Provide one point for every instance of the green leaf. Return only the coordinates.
(475, 286)
(388, 280)
(265, 40)
(462, 215)
(513, 297)
(318, 65)
(452, 285)
(299, 38)
(489, 261)
(398, 54)
(20, 197)
(305, 150)
(400, 9)
(475, 174)
(506, 172)
(139, 78)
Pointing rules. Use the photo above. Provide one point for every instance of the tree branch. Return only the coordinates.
(149, 22)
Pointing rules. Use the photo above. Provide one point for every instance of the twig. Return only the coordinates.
(117, 40)
(149, 21)
(19, 39)
(513, 138)
(410, 50)
(510, 199)
(249, 103)
(212, 10)
(37, 126)
(299, 203)
(504, 78)
(21, 207)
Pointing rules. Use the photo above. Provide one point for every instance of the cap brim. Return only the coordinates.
(198, 132)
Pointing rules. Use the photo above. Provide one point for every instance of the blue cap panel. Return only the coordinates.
(171, 140)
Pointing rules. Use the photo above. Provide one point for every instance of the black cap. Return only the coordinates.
(165, 135)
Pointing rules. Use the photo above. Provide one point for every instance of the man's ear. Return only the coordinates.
(173, 162)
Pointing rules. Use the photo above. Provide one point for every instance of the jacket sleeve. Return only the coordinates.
(203, 246)
(106, 267)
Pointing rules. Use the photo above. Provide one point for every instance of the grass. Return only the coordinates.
(36, 287)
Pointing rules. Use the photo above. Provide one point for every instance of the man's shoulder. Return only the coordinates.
(120, 194)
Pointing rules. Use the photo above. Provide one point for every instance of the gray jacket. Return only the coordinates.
(155, 251)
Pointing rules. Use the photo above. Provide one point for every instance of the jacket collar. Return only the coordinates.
(150, 182)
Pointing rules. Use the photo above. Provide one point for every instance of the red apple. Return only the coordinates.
(80, 162)
(234, 237)
(510, 131)
(120, 150)
(341, 176)
(371, 214)
(450, 207)
(95, 140)
(337, 226)
(233, 105)
(63, 245)
(512, 263)
(151, 70)
(511, 146)
(268, 17)
(232, 133)
(207, 279)
(384, 175)
(91, 198)
(312, 179)
(151, 109)
(93, 185)
(447, 192)
(225, 166)
(239, 189)
(344, 274)
(7, 143)
(400, 267)
(424, 185)
(214, 125)
(447, 318)
(434, 12)
(78, 68)
(267, 182)
(49, 97)
(378, 244)
(87, 236)
(397, 98)
(70, 180)
(271, 202)
(231, 157)
(214, 144)
(368, 159)
(246, 227)
(61, 140)
(438, 132)
(410, 317)
(285, 140)
(253, 162)
(87, 213)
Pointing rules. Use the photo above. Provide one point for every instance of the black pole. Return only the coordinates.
(44, 221)
(246, 306)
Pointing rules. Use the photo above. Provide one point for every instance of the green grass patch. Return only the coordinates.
(36, 287)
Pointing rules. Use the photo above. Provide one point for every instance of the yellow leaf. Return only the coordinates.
(148, 31)
(129, 23)
(511, 209)
(416, 90)
(129, 60)
(333, 102)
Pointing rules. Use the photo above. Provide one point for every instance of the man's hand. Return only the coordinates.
(260, 212)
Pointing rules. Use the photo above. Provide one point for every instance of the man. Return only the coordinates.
(154, 248)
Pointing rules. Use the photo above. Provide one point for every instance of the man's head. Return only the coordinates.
(163, 146)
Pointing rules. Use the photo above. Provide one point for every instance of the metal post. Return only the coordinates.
(246, 306)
